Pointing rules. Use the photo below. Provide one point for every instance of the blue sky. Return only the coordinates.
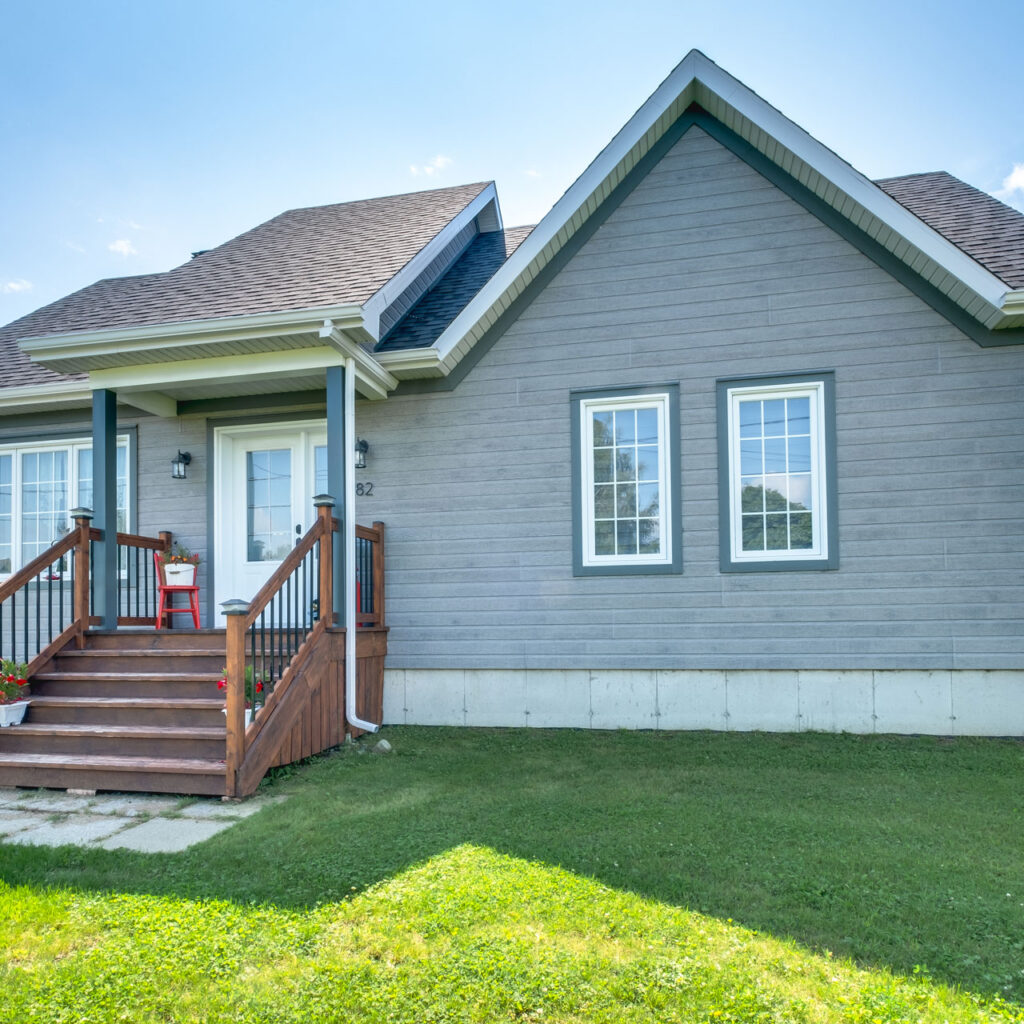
(134, 133)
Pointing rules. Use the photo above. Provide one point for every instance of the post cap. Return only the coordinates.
(320, 500)
(81, 513)
(236, 606)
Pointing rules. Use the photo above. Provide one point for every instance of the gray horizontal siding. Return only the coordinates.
(707, 271)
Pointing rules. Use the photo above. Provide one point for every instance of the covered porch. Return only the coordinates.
(272, 677)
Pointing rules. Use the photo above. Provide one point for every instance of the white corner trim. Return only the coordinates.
(699, 78)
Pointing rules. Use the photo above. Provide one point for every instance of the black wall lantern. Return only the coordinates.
(361, 449)
(178, 465)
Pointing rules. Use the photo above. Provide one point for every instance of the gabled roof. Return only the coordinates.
(697, 83)
(425, 322)
(987, 230)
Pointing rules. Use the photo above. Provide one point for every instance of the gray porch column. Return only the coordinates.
(104, 503)
(337, 446)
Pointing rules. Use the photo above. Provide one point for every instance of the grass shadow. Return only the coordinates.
(897, 852)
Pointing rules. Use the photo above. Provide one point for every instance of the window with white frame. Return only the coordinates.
(778, 499)
(39, 485)
(625, 506)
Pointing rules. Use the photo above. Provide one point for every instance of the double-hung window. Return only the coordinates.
(625, 495)
(39, 485)
(777, 473)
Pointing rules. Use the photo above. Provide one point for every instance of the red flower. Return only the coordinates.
(23, 682)
(259, 686)
(222, 684)
(10, 679)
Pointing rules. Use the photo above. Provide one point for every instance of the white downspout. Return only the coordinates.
(349, 540)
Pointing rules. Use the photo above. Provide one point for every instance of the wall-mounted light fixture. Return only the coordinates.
(361, 449)
(178, 465)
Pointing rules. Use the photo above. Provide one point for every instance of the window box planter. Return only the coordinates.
(12, 714)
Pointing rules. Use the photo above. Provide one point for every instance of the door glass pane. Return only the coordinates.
(44, 501)
(269, 504)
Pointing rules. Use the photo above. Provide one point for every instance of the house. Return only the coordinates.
(731, 439)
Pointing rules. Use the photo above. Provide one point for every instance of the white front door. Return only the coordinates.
(263, 500)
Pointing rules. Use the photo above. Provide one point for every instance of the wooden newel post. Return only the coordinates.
(324, 505)
(80, 597)
(378, 574)
(236, 612)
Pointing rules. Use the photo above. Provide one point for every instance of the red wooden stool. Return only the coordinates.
(166, 590)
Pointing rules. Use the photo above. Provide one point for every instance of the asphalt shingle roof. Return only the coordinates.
(427, 320)
(990, 232)
(301, 259)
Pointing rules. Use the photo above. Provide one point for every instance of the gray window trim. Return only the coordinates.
(675, 530)
(827, 379)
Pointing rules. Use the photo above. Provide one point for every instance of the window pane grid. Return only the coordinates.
(268, 504)
(776, 493)
(626, 472)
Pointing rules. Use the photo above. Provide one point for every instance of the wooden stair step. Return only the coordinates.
(172, 732)
(193, 703)
(139, 774)
(131, 677)
(112, 763)
(131, 652)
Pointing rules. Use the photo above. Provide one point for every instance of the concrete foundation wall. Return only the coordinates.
(936, 702)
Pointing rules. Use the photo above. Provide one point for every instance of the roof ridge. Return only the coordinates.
(480, 185)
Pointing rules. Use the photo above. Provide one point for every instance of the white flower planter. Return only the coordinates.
(250, 713)
(179, 574)
(12, 714)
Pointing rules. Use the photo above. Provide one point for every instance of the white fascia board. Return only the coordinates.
(145, 378)
(697, 78)
(380, 300)
(54, 395)
(125, 340)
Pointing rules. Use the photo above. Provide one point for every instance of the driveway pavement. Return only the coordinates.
(144, 822)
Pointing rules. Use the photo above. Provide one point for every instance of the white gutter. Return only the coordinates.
(349, 540)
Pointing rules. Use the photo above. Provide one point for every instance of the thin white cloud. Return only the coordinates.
(124, 247)
(531, 173)
(132, 225)
(75, 246)
(19, 284)
(439, 163)
(1014, 181)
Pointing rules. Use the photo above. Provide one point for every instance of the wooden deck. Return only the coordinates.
(141, 711)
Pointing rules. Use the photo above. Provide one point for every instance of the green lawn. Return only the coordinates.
(530, 875)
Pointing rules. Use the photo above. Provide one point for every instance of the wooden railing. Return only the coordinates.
(271, 639)
(47, 603)
(136, 577)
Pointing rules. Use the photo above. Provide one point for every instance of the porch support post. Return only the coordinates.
(104, 498)
(338, 444)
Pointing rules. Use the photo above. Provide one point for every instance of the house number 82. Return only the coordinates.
(364, 490)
